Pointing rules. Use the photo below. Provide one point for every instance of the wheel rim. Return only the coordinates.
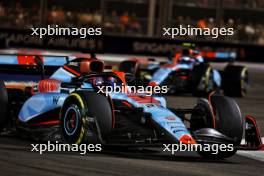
(210, 85)
(71, 119)
(244, 81)
(209, 80)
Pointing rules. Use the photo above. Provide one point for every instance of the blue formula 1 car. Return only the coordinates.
(64, 104)
(189, 71)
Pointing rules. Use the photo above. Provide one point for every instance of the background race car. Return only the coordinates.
(190, 71)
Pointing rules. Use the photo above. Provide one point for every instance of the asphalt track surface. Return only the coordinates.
(16, 159)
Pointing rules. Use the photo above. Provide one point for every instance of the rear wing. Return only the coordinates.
(17, 69)
(219, 56)
(212, 56)
(29, 60)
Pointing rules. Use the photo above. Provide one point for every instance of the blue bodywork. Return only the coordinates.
(160, 114)
(164, 71)
(41, 103)
(45, 102)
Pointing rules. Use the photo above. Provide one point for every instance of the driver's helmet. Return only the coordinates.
(186, 59)
(110, 81)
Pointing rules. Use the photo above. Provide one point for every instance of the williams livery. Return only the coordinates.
(55, 98)
(190, 71)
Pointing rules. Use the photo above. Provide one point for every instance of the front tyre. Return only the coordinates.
(85, 118)
(222, 114)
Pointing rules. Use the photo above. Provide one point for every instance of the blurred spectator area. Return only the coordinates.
(245, 16)
(140, 17)
(73, 13)
(19, 13)
(127, 16)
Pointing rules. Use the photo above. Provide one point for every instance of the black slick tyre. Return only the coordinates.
(81, 113)
(235, 81)
(225, 117)
(202, 80)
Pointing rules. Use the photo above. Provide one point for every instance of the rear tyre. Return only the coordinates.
(202, 80)
(3, 105)
(228, 121)
(81, 114)
(235, 81)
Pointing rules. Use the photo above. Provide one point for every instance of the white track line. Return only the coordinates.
(256, 155)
